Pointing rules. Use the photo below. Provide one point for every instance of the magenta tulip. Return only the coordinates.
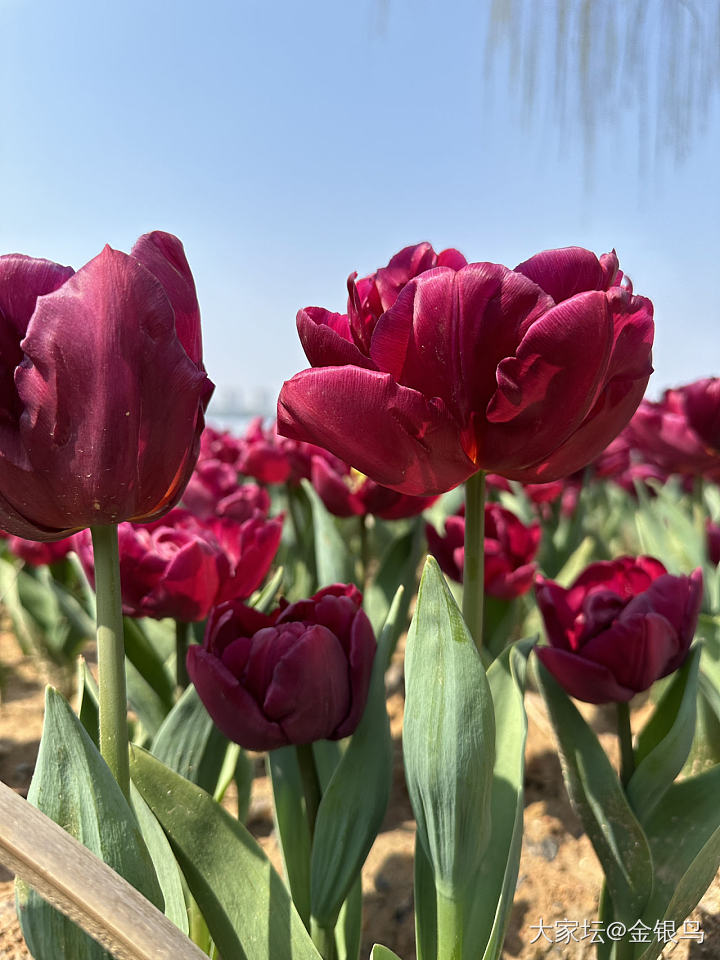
(181, 566)
(102, 388)
(298, 675)
(510, 549)
(621, 626)
(38, 554)
(474, 367)
(702, 405)
(664, 435)
(347, 493)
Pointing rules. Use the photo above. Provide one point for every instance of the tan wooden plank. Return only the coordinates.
(84, 888)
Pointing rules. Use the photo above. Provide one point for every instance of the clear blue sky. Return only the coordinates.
(289, 143)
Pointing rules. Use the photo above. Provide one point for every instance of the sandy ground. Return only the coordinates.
(559, 875)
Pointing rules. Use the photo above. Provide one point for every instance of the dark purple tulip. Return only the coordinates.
(620, 627)
(182, 566)
(474, 367)
(298, 675)
(510, 549)
(102, 388)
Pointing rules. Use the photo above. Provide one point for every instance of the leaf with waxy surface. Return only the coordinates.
(229, 875)
(333, 560)
(684, 835)
(601, 804)
(189, 742)
(73, 786)
(448, 737)
(354, 801)
(664, 743)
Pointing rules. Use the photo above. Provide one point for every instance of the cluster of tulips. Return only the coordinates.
(250, 590)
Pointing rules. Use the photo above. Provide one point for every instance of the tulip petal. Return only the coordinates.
(394, 434)
(360, 657)
(310, 690)
(448, 331)
(163, 255)
(231, 707)
(636, 649)
(112, 402)
(566, 272)
(545, 391)
(326, 339)
(583, 679)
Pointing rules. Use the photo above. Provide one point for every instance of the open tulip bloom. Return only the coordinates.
(466, 367)
(440, 372)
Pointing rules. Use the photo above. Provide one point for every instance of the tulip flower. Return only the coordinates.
(102, 388)
(38, 554)
(297, 675)
(181, 566)
(664, 435)
(269, 458)
(621, 626)
(347, 493)
(473, 367)
(214, 491)
(702, 404)
(510, 549)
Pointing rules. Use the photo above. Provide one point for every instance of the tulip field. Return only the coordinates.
(428, 667)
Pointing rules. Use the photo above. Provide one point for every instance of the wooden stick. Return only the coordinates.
(84, 888)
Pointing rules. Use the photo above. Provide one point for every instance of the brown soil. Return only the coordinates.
(559, 874)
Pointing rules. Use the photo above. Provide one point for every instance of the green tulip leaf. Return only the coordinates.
(399, 565)
(684, 835)
(25, 629)
(88, 701)
(189, 742)
(495, 881)
(664, 743)
(264, 599)
(151, 709)
(73, 786)
(246, 905)
(425, 905)
(601, 804)
(379, 952)
(355, 800)
(576, 562)
(666, 529)
(333, 560)
(166, 868)
(348, 930)
(291, 825)
(448, 737)
(143, 655)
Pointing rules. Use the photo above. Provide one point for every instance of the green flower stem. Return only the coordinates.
(182, 638)
(111, 655)
(364, 550)
(627, 758)
(474, 566)
(324, 940)
(323, 937)
(449, 928)
(310, 782)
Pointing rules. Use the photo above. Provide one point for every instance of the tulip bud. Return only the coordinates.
(102, 388)
(298, 675)
(621, 626)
